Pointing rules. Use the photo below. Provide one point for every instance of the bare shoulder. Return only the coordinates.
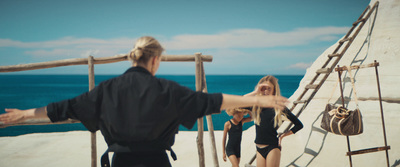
(227, 125)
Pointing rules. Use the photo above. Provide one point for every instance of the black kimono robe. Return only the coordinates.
(137, 110)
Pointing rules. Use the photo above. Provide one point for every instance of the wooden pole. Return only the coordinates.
(200, 126)
(209, 121)
(92, 134)
(381, 107)
(101, 60)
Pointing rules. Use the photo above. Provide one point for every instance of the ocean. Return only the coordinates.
(32, 91)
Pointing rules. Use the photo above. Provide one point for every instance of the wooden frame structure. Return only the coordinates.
(368, 150)
(198, 58)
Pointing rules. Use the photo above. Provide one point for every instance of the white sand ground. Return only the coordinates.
(73, 149)
(378, 40)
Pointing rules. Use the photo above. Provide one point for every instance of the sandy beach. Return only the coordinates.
(73, 149)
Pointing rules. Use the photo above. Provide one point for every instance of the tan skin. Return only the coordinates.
(273, 158)
(237, 117)
(229, 101)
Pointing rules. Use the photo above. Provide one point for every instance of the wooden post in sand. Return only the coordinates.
(92, 134)
(202, 86)
(210, 122)
(200, 127)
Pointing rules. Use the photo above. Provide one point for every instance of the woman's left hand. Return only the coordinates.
(284, 135)
(280, 139)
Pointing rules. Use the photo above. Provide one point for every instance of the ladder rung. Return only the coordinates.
(368, 150)
(344, 40)
(311, 152)
(334, 55)
(310, 86)
(299, 101)
(319, 130)
(324, 70)
(358, 21)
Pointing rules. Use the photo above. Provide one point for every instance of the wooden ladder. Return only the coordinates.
(367, 150)
(335, 56)
(326, 70)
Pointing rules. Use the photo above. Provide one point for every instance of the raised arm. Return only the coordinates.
(248, 119)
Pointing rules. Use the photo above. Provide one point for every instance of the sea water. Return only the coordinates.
(32, 91)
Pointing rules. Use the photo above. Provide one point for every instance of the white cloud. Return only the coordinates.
(70, 47)
(300, 65)
(254, 38)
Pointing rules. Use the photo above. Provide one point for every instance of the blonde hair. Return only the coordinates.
(233, 111)
(277, 92)
(145, 48)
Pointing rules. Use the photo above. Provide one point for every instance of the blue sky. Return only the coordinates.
(243, 36)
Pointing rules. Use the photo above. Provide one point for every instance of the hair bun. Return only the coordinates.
(137, 53)
(145, 48)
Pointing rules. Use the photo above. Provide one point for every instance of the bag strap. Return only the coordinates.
(333, 90)
(352, 84)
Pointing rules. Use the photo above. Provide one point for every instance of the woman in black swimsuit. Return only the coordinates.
(267, 121)
(234, 129)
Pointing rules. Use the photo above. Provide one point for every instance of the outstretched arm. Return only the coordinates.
(233, 101)
(17, 115)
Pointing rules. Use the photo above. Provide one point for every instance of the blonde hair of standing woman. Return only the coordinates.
(279, 115)
(145, 48)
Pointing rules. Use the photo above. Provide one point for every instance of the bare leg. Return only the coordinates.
(274, 158)
(260, 160)
(234, 160)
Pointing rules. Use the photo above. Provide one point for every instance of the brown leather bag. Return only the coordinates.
(342, 121)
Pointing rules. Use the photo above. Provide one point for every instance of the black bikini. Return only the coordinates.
(265, 150)
(266, 133)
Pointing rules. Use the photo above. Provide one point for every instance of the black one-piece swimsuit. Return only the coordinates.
(235, 139)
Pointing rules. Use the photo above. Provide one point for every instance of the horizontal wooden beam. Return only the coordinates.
(38, 122)
(343, 68)
(100, 60)
(369, 150)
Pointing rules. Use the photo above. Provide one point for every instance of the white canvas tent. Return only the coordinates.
(378, 40)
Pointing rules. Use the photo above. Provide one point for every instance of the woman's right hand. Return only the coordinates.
(257, 90)
(259, 87)
(224, 157)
